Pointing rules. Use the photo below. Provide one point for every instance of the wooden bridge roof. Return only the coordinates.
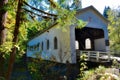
(91, 8)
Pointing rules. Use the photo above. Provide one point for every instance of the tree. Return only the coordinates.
(15, 39)
(44, 17)
(3, 14)
(114, 28)
(106, 9)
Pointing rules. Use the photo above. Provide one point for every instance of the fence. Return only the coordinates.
(95, 56)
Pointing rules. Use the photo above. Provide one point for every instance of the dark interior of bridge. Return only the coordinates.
(85, 33)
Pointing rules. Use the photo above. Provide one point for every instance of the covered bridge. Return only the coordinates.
(58, 45)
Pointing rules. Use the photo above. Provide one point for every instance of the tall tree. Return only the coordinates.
(3, 14)
(15, 39)
(55, 11)
(106, 9)
(114, 28)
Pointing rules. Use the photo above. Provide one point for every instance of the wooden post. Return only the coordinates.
(108, 53)
(81, 53)
(97, 56)
(88, 55)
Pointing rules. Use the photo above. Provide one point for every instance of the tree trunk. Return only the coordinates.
(3, 14)
(15, 40)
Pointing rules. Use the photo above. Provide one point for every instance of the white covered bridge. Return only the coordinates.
(58, 45)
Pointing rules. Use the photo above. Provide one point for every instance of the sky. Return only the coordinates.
(100, 4)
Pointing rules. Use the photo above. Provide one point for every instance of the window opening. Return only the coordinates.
(47, 44)
(76, 45)
(88, 43)
(55, 43)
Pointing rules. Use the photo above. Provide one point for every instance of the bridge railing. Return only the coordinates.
(95, 56)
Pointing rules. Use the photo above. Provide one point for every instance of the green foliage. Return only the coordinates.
(10, 24)
(67, 18)
(36, 28)
(34, 71)
(80, 23)
(92, 74)
(7, 47)
(99, 73)
(2, 78)
(5, 8)
(115, 64)
(40, 69)
(82, 65)
(64, 18)
(114, 28)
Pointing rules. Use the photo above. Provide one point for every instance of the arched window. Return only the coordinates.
(55, 43)
(76, 45)
(88, 43)
(38, 45)
(42, 46)
(48, 44)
